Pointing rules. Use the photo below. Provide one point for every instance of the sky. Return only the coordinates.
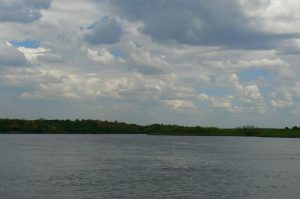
(224, 63)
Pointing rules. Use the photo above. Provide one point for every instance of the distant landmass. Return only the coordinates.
(42, 126)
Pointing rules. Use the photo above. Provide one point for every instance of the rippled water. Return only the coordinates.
(141, 166)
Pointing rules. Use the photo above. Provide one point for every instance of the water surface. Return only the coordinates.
(141, 166)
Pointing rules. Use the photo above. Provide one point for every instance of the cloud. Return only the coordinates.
(20, 11)
(197, 22)
(10, 56)
(213, 62)
(284, 102)
(32, 54)
(224, 103)
(52, 83)
(49, 58)
(101, 55)
(277, 16)
(289, 47)
(37, 54)
(146, 63)
(180, 104)
(30, 96)
(31, 76)
(106, 31)
(271, 64)
(250, 95)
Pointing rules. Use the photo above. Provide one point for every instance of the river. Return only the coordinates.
(143, 166)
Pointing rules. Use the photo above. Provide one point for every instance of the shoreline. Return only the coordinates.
(42, 126)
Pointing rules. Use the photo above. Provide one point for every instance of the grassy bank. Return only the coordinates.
(41, 126)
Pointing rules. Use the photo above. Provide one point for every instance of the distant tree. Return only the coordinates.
(249, 130)
(295, 128)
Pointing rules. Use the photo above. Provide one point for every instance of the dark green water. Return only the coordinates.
(140, 166)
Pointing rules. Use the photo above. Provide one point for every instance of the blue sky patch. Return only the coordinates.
(119, 53)
(26, 44)
(253, 74)
(266, 89)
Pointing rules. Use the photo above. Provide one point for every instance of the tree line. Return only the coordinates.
(42, 126)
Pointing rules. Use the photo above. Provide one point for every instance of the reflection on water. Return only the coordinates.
(141, 166)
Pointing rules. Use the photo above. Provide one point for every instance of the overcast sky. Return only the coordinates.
(224, 63)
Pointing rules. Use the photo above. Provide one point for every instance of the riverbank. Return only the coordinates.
(41, 126)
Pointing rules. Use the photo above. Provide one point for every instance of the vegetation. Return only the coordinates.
(41, 126)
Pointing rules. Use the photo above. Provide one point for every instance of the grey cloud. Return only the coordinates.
(289, 48)
(10, 56)
(147, 65)
(108, 31)
(22, 11)
(49, 58)
(198, 22)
